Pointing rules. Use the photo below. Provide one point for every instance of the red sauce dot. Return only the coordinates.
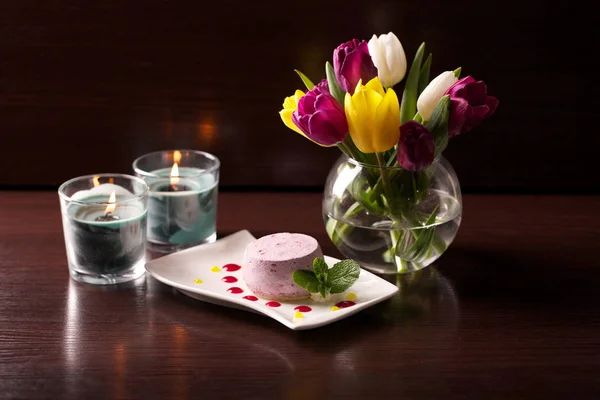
(229, 279)
(303, 308)
(251, 298)
(235, 290)
(273, 304)
(231, 267)
(345, 304)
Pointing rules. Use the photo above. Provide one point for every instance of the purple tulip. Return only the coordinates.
(351, 63)
(321, 117)
(323, 86)
(416, 147)
(469, 105)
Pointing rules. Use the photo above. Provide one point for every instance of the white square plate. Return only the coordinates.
(198, 272)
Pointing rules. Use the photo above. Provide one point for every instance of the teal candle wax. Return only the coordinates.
(102, 244)
(182, 213)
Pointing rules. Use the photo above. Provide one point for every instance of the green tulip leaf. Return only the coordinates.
(424, 74)
(423, 240)
(334, 88)
(457, 72)
(408, 107)
(364, 196)
(420, 184)
(438, 124)
(307, 82)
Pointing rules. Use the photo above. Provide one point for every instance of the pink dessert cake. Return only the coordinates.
(270, 261)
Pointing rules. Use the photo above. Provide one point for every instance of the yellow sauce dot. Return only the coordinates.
(198, 281)
(298, 314)
(350, 296)
(215, 269)
(335, 308)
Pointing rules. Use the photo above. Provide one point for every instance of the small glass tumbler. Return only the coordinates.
(182, 203)
(104, 222)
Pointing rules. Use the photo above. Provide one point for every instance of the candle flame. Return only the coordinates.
(96, 181)
(110, 208)
(177, 156)
(175, 174)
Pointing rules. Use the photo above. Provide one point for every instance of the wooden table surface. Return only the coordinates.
(510, 311)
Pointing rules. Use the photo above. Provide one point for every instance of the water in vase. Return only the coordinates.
(384, 248)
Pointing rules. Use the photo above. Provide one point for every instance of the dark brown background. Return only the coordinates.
(86, 88)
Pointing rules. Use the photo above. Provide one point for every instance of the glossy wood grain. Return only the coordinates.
(510, 311)
(88, 87)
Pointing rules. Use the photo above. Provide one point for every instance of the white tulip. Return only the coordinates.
(388, 56)
(433, 93)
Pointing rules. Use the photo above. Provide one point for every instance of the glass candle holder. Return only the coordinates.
(182, 204)
(104, 222)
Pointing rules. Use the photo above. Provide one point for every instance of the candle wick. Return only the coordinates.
(108, 217)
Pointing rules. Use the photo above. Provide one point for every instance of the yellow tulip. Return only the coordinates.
(373, 116)
(290, 104)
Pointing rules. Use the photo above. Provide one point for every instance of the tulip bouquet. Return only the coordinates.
(400, 140)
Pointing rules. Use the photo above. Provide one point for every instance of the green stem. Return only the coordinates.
(344, 149)
(351, 148)
(393, 157)
(338, 229)
(384, 177)
(438, 244)
(401, 264)
(392, 202)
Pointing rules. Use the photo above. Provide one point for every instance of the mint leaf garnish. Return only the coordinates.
(327, 281)
(324, 290)
(343, 275)
(307, 280)
(320, 267)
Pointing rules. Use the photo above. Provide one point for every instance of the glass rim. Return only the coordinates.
(136, 197)
(377, 166)
(212, 157)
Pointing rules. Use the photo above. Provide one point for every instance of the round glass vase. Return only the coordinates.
(391, 220)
